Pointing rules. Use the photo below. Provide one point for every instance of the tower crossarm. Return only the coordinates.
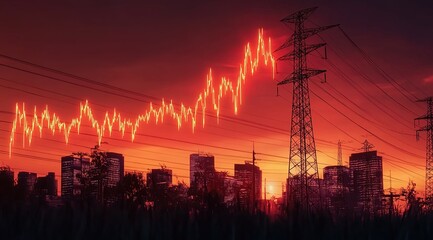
(426, 116)
(306, 33)
(313, 31)
(307, 73)
(290, 56)
(428, 99)
(424, 128)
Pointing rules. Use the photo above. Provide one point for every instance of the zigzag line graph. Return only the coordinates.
(211, 94)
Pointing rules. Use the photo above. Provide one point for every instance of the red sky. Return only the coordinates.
(165, 50)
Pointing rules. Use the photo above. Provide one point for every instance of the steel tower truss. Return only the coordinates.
(428, 128)
(303, 176)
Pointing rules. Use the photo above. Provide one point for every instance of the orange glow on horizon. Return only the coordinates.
(185, 114)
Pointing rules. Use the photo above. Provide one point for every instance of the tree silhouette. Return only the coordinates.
(94, 180)
(6, 184)
(133, 190)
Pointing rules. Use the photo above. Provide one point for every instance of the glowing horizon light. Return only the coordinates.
(183, 115)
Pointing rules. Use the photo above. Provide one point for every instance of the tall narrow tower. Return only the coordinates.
(428, 117)
(340, 155)
(303, 177)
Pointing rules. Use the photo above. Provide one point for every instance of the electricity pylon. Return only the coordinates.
(428, 117)
(303, 175)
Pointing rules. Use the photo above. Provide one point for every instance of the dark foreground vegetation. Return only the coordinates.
(81, 222)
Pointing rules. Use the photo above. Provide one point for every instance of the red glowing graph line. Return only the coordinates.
(182, 115)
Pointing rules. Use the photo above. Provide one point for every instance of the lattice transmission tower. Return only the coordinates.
(303, 186)
(428, 128)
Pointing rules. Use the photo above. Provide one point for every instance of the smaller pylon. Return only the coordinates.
(391, 196)
(367, 146)
(428, 128)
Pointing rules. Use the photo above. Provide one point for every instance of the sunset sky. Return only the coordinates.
(165, 50)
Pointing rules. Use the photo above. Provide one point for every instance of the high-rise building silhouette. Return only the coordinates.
(72, 168)
(26, 183)
(200, 163)
(367, 175)
(337, 184)
(47, 185)
(244, 175)
(158, 183)
(217, 186)
(6, 182)
(114, 174)
(116, 168)
(159, 178)
(231, 187)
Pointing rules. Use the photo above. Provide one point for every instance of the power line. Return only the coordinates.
(386, 110)
(395, 84)
(365, 129)
(386, 76)
(357, 87)
(380, 126)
